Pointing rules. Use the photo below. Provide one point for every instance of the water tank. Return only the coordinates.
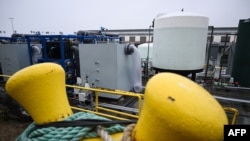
(180, 42)
(145, 50)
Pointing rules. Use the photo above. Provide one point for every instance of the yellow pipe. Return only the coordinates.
(98, 113)
(139, 104)
(2, 75)
(96, 100)
(235, 116)
(117, 112)
(118, 92)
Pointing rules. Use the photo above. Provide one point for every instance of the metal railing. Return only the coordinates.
(235, 114)
(140, 97)
(99, 107)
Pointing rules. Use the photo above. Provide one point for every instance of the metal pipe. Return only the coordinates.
(147, 60)
(96, 101)
(30, 50)
(8, 76)
(101, 114)
(118, 92)
(134, 110)
(12, 25)
(235, 116)
(237, 88)
(232, 99)
(117, 112)
(222, 59)
(76, 58)
(208, 53)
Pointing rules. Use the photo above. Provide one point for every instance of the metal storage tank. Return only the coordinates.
(145, 50)
(241, 63)
(180, 42)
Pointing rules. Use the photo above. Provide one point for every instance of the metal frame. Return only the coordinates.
(99, 106)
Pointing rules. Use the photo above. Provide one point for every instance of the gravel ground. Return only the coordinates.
(10, 126)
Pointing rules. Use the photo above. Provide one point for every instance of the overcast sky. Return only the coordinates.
(70, 16)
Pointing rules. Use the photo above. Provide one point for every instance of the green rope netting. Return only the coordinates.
(76, 133)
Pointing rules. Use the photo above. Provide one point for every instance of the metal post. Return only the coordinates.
(208, 53)
(12, 26)
(147, 60)
(30, 50)
(222, 59)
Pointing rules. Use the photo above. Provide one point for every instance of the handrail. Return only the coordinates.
(117, 92)
(2, 75)
(98, 113)
(235, 116)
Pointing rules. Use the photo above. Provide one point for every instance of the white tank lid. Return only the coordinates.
(178, 14)
(181, 19)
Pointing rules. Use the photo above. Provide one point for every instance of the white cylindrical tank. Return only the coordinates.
(180, 41)
(145, 50)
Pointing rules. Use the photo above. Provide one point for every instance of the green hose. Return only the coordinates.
(76, 133)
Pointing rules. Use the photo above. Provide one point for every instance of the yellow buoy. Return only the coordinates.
(41, 90)
(178, 109)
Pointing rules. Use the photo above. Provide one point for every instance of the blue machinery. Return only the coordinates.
(61, 49)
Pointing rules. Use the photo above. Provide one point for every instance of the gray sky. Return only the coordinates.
(70, 16)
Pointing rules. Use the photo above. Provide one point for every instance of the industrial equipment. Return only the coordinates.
(98, 60)
(13, 57)
(146, 52)
(108, 66)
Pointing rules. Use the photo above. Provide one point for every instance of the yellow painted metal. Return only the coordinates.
(98, 113)
(40, 89)
(2, 75)
(235, 115)
(117, 112)
(115, 137)
(118, 92)
(177, 109)
(96, 101)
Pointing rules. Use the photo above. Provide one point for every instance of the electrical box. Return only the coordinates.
(106, 66)
(13, 57)
(82, 97)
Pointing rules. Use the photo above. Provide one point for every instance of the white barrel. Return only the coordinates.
(180, 41)
(145, 50)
